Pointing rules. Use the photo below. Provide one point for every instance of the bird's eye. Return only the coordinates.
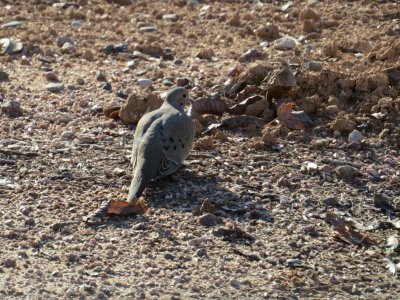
(184, 96)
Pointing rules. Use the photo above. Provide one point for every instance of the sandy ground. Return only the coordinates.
(291, 214)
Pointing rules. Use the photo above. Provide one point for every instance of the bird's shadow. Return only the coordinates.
(186, 191)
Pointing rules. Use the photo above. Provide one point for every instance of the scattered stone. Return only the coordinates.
(80, 81)
(55, 87)
(12, 24)
(182, 81)
(170, 17)
(120, 48)
(344, 123)
(331, 201)
(147, 29)
(9, 263)
(131, 64)
(169, 256)
(122, 94)
(355, 136)
(106, 86)
(167, 82)
(144, 82)
(76, 23)
(285, 43)
(101, 76)
(88, 55)
(308, 13)
(11, 108)
(51, 76)
(309, 26)
(346, 172)
(68, 48)
(202, 252)
(207, 54)
(68, 135)
(315, 66)
(3, 76)
(10, 46)
(204, 142)
(332, 110)
(178, 61)
(250, 55)
(61, 40)
(136, 106)
(209, 220)
(268, 32)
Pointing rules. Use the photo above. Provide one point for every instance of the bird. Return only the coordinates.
(162, 141)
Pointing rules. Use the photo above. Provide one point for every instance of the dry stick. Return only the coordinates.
(341, 162)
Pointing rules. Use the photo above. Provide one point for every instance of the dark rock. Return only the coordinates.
(122, 94)
(3, 76)
(107, 86)
(11, 108)
(180, 81)
(178, 61)
(209, 220)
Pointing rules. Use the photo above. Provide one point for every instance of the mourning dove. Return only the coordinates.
(162, 141)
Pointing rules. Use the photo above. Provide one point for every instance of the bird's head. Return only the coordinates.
(178, 98)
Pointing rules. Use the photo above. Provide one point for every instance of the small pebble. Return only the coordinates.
(76, 23)
(355, 137)
(182, 81)
(55, 87)
(130, 64)
(178, 61)
(122, 94)
(106, 86)
(285, 43)
(209, 220)
(100, 76)
(63, 39)
(51, 76)
(80, 81)
(147, 29)
(144, 82)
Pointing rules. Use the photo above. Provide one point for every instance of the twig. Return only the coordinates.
(340, 162)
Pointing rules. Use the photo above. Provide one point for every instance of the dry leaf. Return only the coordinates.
(122, 208)
(212, 105)
(352, 235)
(240, 108)
(293, 119)
(110, 109)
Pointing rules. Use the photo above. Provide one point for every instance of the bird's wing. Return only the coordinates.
(141, 128)
(176, 136)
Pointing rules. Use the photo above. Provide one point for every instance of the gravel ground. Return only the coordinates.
(257, 212)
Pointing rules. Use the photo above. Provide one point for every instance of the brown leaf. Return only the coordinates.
(291, 119)
(122, 208)
(240, 108)
(109, 110)
(355, 237)
(212, 105)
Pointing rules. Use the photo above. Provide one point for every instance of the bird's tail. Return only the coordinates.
(138, 184)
